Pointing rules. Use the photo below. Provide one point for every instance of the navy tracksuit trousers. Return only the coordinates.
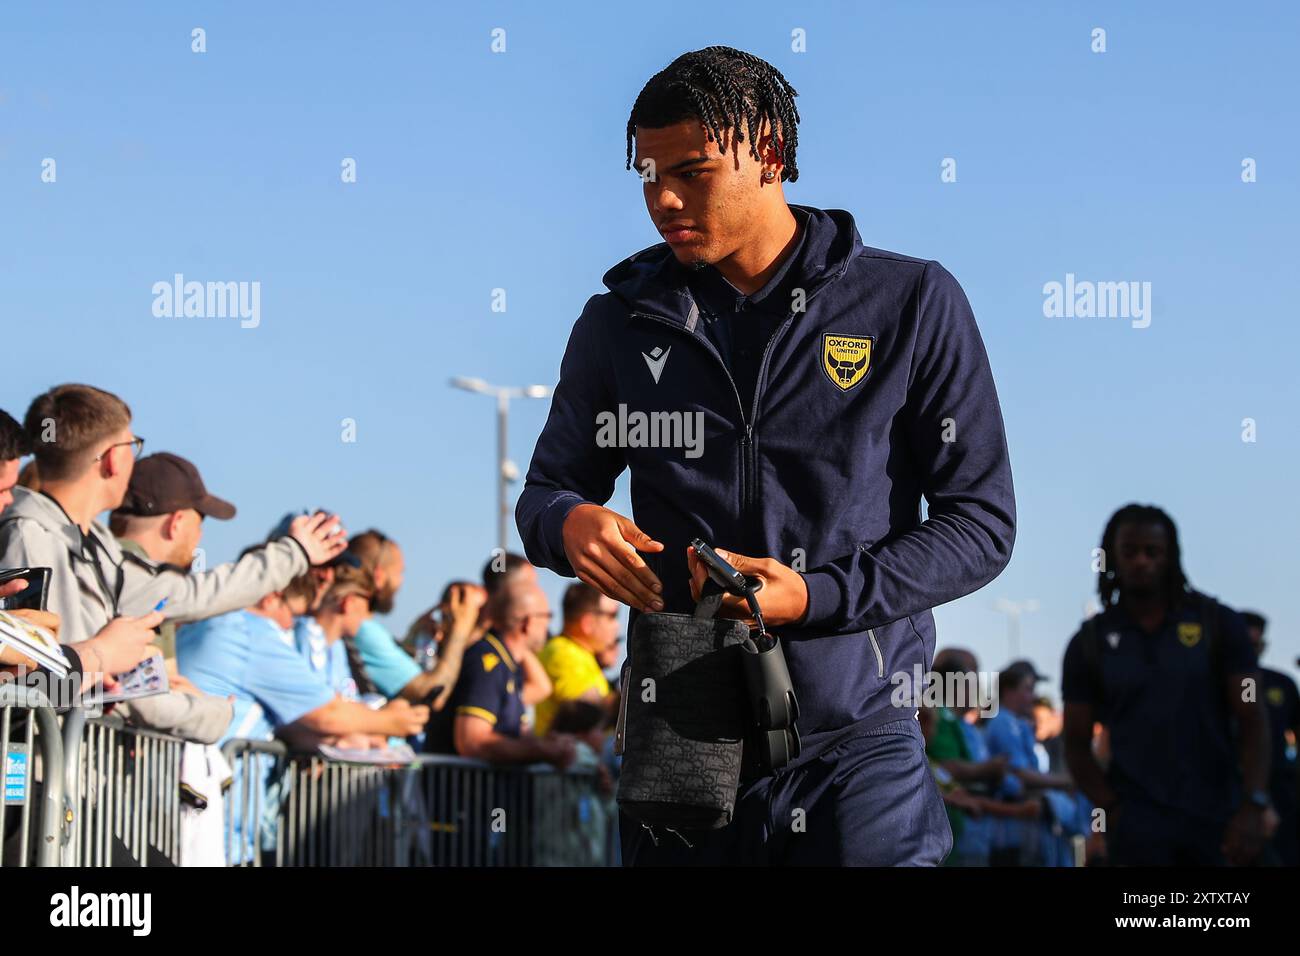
(868, 800)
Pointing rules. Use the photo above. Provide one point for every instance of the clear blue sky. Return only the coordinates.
(479, 171)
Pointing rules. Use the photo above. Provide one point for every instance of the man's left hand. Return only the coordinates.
(783, 597)
(1250, 828)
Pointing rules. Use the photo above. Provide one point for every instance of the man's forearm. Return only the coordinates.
(418, 687)
(965, 769)
(1087, 773)
(341, 716)
(1002, 808)
(1045, 781)
(191, 596)
(537, 683)
(447, 671)
(1253, 724)
(498, 748)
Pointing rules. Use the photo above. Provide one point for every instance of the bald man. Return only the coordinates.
(483, 719)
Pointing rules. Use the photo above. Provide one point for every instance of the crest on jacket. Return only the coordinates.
(846, 359)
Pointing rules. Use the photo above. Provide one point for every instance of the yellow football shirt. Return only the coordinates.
(573, 671)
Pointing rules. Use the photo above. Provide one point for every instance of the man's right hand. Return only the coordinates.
(558, 750)
(407, 719)
(122, 643)
(602, 547)
(321, 535)
(44, 619)
(995, 768)
(463, 606)
(1030, 810)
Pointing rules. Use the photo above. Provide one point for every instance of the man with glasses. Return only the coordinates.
(85, 452)
(571, 657)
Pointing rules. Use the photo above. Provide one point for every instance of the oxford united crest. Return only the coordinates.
(846, 359)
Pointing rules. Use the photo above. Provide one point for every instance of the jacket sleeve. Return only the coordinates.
(952, 423)
(568, 467)
(25, 544)
(193, 596)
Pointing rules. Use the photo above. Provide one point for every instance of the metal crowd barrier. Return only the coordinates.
(298, 810)
(21, 788)
(123, 794)
(484, 815)
(109, 795)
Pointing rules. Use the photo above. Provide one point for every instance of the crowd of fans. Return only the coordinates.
(286, 642)
(1010, 800)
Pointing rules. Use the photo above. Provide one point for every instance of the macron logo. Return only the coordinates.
(656, 360)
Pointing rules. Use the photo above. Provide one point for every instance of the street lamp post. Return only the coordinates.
(506, 469)
(1014, 610)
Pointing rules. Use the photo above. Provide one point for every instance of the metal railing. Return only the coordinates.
(484, 815)
(105, 794)
(34, 839)
(123, 794)
(302, 810)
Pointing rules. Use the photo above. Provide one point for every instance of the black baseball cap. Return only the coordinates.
(162, 483)
(1019, 670)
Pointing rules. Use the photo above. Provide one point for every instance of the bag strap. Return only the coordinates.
(711, 595)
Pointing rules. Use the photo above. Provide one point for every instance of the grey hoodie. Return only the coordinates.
(35, 532)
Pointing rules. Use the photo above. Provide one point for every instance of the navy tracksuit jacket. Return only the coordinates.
(825, 472)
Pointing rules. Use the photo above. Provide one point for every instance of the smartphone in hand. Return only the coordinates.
(31, 598)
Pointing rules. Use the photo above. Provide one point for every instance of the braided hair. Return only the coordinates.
(722, 87)
(1108, 585)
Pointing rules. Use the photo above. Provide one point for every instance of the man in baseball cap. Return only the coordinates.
(1011, 732)
(161, 517)
(1022, 671)
(158, 527)
(163, 484)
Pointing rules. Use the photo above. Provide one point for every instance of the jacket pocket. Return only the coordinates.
(875, 646)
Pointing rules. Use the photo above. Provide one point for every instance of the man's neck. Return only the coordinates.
(155, 548)
(331, 625)
(582, 640)
(270, 616)
(750, 267)
(516, 644)
(81, 501)
(1148, 609)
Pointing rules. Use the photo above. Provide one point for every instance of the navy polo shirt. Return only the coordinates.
(1165, 706)
(739, 325)
(1280, 697)
(490, 687)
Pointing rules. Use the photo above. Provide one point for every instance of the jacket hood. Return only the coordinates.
(653, 281)
(48, 514)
